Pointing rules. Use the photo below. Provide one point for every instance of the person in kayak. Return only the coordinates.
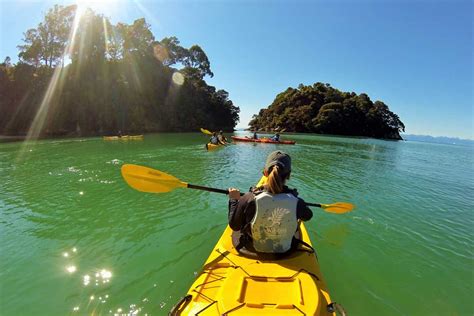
(267, 217)
(255, 136)
(221, 138)
(214, 140)
(276, 137)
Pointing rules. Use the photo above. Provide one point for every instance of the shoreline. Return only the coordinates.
(460, 142)
(8, 139)
(20, 138)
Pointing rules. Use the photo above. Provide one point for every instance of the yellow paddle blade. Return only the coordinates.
(145, 179)
(338, 207)
(262, 181)
(205, 131)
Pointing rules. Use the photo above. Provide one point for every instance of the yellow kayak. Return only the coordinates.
(125, 137)
(233, 284)
(210, 146)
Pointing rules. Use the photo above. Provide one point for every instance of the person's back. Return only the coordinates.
(221, 138)
(214, 140)
(276, 137)
(274, 223)
(268, 216)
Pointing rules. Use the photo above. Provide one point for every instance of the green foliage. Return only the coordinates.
(322, 109)
(169, 51)
(46, 44)
(194, 59)
(108, 78)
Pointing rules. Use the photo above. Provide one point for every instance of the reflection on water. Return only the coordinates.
(70, 227)
(94, 284)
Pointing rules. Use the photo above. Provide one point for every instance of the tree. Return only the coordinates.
(137, 38)
(197, 59)
(47, 43)
(114, 41)
(89, 45)
(169, 51)
(31, 52)
(330, 119)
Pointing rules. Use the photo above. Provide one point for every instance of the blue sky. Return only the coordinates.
(416, 56)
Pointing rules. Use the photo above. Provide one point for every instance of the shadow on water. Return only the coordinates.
(334, 234)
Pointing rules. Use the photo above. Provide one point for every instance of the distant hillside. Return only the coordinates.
(439, 140)
(322, 109)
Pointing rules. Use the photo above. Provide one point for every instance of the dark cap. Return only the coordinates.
(280, 159)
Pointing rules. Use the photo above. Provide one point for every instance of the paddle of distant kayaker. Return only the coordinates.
(267, 217)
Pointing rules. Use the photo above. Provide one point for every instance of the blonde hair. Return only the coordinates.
(275, 181)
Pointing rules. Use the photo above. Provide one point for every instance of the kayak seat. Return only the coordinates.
(249, 251)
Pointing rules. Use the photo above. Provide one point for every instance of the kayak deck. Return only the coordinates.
(232, 284)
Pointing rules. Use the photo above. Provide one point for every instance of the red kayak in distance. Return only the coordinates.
(262, 140)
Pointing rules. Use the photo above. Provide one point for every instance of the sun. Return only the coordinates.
(106, 7)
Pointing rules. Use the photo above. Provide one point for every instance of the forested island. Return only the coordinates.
(320, 108)
(80, 75)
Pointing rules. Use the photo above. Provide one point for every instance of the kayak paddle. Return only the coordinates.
(205, 131)
(150, 180)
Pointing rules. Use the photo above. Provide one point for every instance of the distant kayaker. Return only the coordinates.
(255, 136)
(221, 138)
(276, 137)
(214, 140)
(267, 217)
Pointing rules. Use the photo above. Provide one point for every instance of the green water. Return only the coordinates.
(76, 240)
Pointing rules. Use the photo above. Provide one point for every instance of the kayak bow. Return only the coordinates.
(210, 146)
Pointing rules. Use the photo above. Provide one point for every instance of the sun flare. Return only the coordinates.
(106, 7)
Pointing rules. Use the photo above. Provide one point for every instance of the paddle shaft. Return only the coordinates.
(200, 187)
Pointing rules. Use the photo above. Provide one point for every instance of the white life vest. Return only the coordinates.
(214, 140)
(274, 223)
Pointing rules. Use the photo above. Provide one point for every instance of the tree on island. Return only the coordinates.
(323, 109)
(79, 74)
